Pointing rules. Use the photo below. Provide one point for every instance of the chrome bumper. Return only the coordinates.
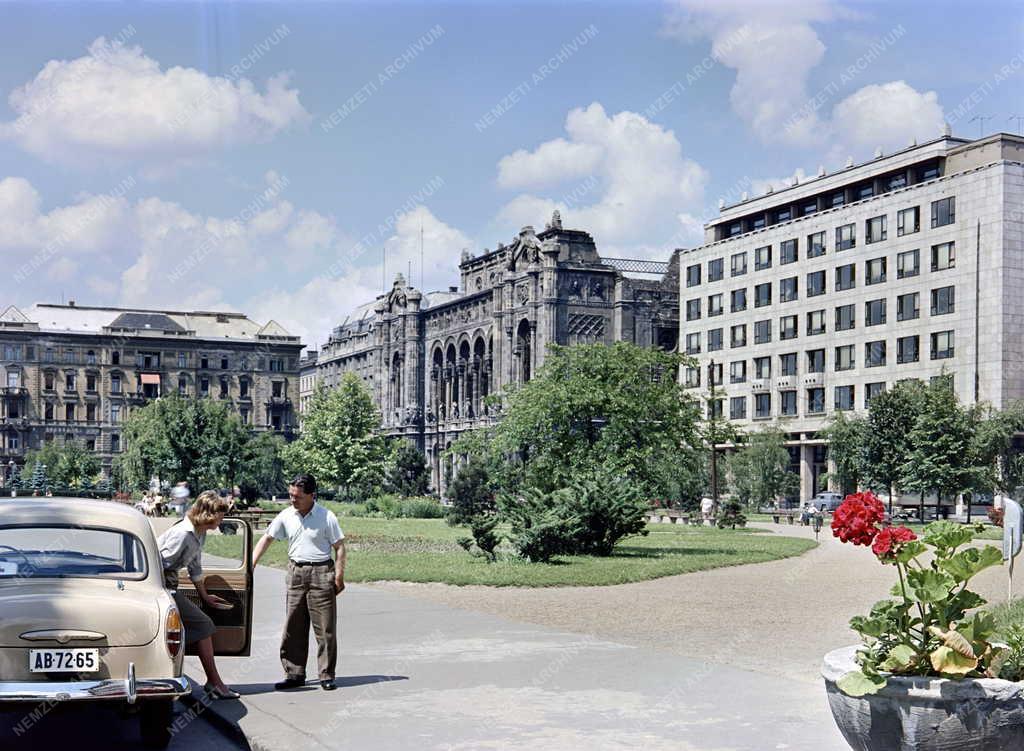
(127, 689)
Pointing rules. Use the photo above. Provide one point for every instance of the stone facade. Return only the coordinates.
(431, 359)
(76, 372)
(918, 275)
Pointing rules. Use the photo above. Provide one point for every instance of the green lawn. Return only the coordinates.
(425, 550)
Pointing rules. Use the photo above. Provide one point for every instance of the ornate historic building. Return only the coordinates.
(75, 372)
(431, 359)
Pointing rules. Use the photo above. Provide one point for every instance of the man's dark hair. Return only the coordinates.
(305, 483)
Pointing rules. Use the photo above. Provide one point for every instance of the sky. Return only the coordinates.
(286, 160)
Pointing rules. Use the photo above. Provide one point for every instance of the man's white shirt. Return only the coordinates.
(310, 537)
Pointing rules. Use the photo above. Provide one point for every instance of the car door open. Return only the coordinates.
(227, 568)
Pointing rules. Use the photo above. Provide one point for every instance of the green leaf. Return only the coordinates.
(947, 535)
(856, 683)
(929, 586)
(969, 562)
(864, 626)
(901, 658)
(911, 550)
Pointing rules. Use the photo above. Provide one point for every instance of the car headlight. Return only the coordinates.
(174, 631)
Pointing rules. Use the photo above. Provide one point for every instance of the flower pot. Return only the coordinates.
(926, 714)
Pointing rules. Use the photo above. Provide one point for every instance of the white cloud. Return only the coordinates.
(888, 116)
(323, 302)
(552, 163)
(93, 224)
(636, 192)
(774, 48)
(116, 105)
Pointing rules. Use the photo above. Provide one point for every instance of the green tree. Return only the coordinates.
(618, 407)
(887, 443)
(68, 465)
(39, 482)
(261, 471)
(847, 439)
(339, 444)
(197, 440)
(940, 460)
(406, 471)
(760, 469)
(996, 465)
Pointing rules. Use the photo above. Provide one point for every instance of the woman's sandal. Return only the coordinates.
(218, 693)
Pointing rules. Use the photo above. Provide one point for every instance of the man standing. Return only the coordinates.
(313, 582)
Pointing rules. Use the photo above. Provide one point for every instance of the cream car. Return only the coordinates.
(84, 615)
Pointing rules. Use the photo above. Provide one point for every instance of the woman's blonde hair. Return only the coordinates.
(207, 507)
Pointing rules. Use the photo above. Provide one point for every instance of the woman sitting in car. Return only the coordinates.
(181, 546)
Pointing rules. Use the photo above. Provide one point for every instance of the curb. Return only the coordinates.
(199, 708)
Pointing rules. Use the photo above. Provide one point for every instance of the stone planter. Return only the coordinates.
(926, 714)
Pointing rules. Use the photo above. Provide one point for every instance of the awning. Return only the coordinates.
(153, 378)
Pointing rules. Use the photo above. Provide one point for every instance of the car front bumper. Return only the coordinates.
(124, 689)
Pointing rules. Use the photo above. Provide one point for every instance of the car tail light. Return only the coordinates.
(174, 631)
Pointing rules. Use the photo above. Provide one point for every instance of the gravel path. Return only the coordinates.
(776, 617)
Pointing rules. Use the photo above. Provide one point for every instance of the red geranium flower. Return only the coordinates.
(888, 541)
(855, 519)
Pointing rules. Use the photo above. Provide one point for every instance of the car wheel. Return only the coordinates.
(155, 722)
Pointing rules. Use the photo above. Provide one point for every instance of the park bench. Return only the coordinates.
(256, 517)
(779, 514)
(667, 516)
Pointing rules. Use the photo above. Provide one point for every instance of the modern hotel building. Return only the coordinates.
(817, 297)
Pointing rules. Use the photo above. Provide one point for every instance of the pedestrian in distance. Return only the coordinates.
(314, 582)
(181, 546)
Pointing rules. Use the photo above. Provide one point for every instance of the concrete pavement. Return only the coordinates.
(425, 675)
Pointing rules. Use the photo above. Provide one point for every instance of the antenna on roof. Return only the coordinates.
(981, 123)
(947, 129)
(384, 269)
(821, 170)
(878, 152)
(421, 257)
(849, 162)
(1019, 119)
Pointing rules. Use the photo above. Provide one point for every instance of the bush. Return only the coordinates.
(388, 506)
(393, 507)
(484, 537)
(421, 508)
(731, 515)
(471, 493)
(587, 518)
(406, 471)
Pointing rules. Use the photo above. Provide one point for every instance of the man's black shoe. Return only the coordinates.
(328, 685)
(288, 683)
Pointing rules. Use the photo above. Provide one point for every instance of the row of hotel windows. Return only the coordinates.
(908, 350)
(908, 308)
(71, 413)
(13, 353)
(71, 384)
(844, 400)
(875, 230)
(943, 256)
(14, 442)
(813, 204)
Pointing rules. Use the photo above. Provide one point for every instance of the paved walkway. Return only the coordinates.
(418, 674)
(777, 618)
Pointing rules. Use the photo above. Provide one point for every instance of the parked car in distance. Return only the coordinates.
(85, 615)
(827, 501)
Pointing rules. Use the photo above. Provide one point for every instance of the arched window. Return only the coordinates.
(524, 350)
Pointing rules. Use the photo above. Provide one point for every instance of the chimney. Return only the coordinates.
(453, 289)
(71, 303)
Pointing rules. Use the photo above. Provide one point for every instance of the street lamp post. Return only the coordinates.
(10, 476)
(713, 435)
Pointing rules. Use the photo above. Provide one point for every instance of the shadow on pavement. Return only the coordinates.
(344, 681)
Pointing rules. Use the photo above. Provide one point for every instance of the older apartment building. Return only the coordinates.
(815, 298)
(76, 372)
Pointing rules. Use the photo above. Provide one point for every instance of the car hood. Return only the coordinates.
(78, 612)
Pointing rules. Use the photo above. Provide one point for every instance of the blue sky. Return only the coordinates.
(151, 169)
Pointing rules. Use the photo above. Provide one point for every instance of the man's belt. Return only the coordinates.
(328, 562)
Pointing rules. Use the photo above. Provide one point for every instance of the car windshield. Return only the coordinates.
(64, 551)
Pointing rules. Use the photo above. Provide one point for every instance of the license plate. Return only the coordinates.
(64, 660)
